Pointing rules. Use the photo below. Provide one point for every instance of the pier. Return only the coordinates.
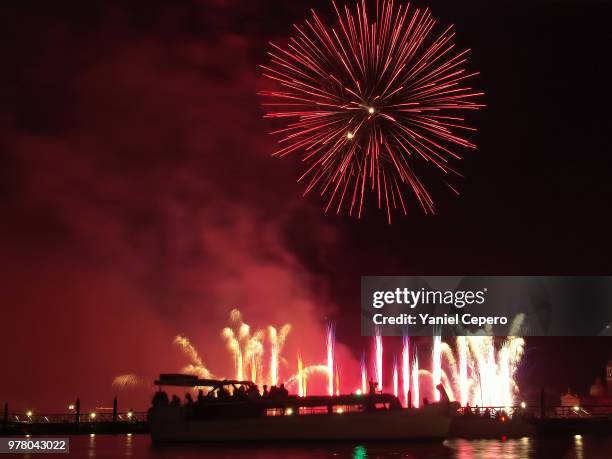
(74, 422)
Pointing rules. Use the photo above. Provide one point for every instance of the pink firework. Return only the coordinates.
(373, 106)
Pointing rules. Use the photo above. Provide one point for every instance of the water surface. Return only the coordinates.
(140, 447)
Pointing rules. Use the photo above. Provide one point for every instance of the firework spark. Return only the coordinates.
(331, 340)
(463, 375)
(277, 341)
(405, 368)
(415, 379)
(378, 363)
(364, 374)
(301, 377)
(196, 367)
(374, 106)
(127, 380)
(234, 347)
(436, 358)
(395, 378)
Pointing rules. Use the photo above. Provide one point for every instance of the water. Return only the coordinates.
(139, 447)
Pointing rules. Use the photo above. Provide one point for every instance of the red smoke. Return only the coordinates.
(141, 205)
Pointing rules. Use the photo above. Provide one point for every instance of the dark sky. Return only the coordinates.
(140, 201)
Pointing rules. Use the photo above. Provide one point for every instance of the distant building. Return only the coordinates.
(598, 401)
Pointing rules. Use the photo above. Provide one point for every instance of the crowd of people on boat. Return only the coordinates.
(221, 393)
(486, 413)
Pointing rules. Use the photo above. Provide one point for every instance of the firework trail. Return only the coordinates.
(415, 378)
(235, 341)
(196, 367)
(301, 377)
(395, 377)
(491, 367)
(504, 377)
(234, 347)
(331, 339)
(436, 365)
(254, 353)
(373, 106)
(405, 368)
(479, 372)
(277, 341)
(319, 369)
(126, 381)
(378, 352)
(364, 374)
(248, 348)
(463, 366)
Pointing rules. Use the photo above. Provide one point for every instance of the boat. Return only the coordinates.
(248, 416)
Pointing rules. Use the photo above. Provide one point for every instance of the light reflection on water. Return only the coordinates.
(139, 447)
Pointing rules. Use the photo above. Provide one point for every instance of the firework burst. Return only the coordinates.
(373, 106)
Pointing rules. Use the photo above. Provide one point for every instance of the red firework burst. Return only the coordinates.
(371, 105)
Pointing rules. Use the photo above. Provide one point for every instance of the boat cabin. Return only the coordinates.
(238, 399)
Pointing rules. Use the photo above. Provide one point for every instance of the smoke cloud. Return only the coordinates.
(141, 202)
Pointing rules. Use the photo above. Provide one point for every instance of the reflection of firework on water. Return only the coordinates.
(372, 105)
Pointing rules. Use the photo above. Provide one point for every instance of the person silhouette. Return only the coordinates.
(373, 385)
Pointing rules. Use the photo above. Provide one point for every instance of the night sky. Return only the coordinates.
(139, 199)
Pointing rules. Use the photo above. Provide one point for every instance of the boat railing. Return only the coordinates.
(83, 418)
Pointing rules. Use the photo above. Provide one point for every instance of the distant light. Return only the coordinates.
(503, 419)
(350, 135)
(129, 434)
(340, 411)
(29, 414)
(578, 437)
(523, 405)
(576, 408)
(289, 411)
(28, 435)
(129, 414)
(92, 435)
(92, 415)
(371, 110)
(358, 392)
(71, 407)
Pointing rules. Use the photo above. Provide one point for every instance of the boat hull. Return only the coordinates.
(167, 424)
